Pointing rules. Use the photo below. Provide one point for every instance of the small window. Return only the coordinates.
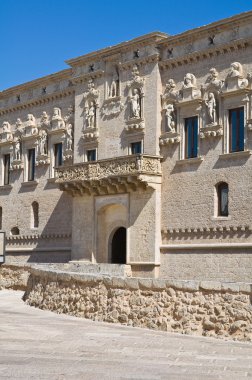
(222, 194)
(35, 215)
(236, 129)
(136, 147)
(91, 155)
(58, 156)
(191, 137)
(1, 218)
(31, 164)
(6, 169)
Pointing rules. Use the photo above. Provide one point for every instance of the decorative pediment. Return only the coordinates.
(235, 79)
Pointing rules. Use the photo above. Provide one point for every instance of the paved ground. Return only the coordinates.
(37, 344)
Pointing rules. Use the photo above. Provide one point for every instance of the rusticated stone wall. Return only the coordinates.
(13, 277)
(215, 309)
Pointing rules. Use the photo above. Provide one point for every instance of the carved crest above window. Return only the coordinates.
(6, 135)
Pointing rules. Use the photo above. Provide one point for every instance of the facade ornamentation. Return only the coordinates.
(135, 101)
(235, 79)
(189, 89)
(31, 129)
(17, 163)
(112, 107)
(90, 111)
(169, 101)
(6, 134)
(113, 89)
(57, 122)
(44, 120)
(68, 148)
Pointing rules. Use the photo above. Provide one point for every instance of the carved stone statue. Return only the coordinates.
(30, 120)
(235, 70)
(169, 116)
(17, 150)
(114, 87)
(44, 118)
(42, 146)
(56, 114)
(6, 126)
(135, 104)
(211, 107)
(189, 81)
(91, 115)
(69, 137)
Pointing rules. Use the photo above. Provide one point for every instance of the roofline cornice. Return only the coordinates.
(154, 37)
(207, 30)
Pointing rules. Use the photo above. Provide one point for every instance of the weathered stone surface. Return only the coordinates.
(13, 277)
(185, 307)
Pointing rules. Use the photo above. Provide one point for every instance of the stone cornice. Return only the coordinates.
(85, 77)
(144, 40)
(43, 81)
(205, 54)
(203, 31)
(37, 101)
(139, 61)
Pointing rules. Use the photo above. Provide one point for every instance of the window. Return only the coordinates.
(222, 195)
(6, 169)
(191, 137)
(58, 157)
(15, 231)
(35, 215)
(91, 155)
(236, 129)
(136, 147)
(31, 164)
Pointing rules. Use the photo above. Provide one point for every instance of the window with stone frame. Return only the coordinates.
(91, 155)
(31, 164)
(191, 137)
(136, 147)
(6, 163)
(34, 214)
(236, 129)
(222, 196)
(58, 154)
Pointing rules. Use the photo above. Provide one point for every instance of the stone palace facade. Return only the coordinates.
(137, 154)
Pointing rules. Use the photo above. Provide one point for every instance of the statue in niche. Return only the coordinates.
(189, 81)
(114, 87)
(169, 117)
(17, 150)
(44, 118)
(211, 107)
(43, 143)
(91, 113)
(235, 70)
(69, 137)
(135, 104)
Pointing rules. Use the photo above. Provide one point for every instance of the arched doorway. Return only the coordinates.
(118, 246)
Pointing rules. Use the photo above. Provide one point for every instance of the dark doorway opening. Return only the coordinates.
(118, 246)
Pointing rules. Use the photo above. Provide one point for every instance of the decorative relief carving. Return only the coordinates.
(135, 101)
(68, 148)
(90, 112)
(111, 167)
(17, 163)
(31, 129)
(57, 122)
(169, 100)
(189, 89)
(42, 148)
(112, 107)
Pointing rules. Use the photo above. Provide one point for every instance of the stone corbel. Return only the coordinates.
(211, 130)
(168, 138)
(90, 134)
(135, 125)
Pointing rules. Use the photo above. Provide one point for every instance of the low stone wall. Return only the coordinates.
(202, 308)
(13, 277)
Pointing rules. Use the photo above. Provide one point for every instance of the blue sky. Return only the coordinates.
(38, 36)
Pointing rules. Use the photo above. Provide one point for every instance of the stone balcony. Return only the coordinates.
(110, 176)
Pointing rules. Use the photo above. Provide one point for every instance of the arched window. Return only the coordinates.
(1, 218)
(35, 215)
(222, 196)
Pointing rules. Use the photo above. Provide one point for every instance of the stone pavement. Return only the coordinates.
(36, 344)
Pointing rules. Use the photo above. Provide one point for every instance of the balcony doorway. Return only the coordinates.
(118, 246)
